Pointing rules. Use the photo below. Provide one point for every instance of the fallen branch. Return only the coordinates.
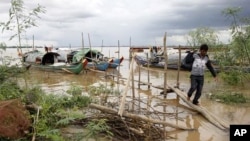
(138, 117)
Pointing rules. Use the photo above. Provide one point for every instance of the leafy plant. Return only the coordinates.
(235, 77)
(202, 35)
(75, 90)
(240, 31)
(10, 90)
(96, 127)
(70, 116)
(237, 52)
(19, 20)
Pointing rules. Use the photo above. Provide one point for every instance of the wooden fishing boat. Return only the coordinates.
(50, 62)
(173, 61)
(114, 63)
(158, 61)
(94, 57)
(100, 65)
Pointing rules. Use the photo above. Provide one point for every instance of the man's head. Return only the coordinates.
(203, 49)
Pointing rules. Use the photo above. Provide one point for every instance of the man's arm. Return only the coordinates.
(211, 68)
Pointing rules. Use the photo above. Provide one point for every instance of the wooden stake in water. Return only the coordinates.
(82, 41)
(133, 83)
(33, 46)
(148, 72)
(123, 100)
(139, 79)
(179, 67)
(102, 46)
(166, 63)
(90, 47)
(119, 65)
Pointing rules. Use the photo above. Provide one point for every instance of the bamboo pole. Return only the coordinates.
(102, 46)
(119, 64)
(148, 71)
(179, 67)
(209, 116)
(130, 54)
(139, 79)
(166, 63)
(82, 41)
(90, 47)
(133, 86)
(33, 45)
(123, 100)
(133, 82)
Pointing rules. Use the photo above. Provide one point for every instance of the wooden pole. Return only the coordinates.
(82, 41)
(133, 82)
(123, 100)
(166, 63)
(33, 45)
(139, 79)
(148, 72)
(90, 47)
(179, 67)
(102, 46)
(119, 64)
(130, 52)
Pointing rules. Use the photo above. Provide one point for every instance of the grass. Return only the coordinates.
(230, 97)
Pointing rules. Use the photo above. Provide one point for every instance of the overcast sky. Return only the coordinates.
(110, 21)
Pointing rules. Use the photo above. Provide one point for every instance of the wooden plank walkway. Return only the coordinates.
(208, 115)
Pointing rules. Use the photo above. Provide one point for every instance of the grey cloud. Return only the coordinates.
(198, 16)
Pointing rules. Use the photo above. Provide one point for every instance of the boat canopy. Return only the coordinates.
(87, 53)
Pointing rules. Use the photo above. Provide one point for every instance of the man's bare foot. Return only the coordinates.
(188, 98)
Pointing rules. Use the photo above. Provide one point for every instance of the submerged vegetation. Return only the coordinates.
(230, 97)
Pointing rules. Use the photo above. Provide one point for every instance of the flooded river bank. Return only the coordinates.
(205, 131)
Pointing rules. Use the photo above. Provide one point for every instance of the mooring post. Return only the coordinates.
(179, 67)
(118, 77)
(178, 73)
(165, 66)
(148, 72)
(139, 79)
(133, 81)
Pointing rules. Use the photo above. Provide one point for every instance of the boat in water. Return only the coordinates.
(49, 62)
(156, 59)
(115, 62)
(95, 58)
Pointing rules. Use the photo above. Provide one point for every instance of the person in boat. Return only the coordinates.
(153, 55)
(199, 62)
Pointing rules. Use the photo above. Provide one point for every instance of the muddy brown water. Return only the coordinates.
(58, 83)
